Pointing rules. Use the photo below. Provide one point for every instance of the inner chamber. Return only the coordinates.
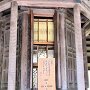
(43, 46)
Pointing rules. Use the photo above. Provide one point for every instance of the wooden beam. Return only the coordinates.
(84, 11)
(45, 4)
(79, 49)
(4, 5)
(12, 47)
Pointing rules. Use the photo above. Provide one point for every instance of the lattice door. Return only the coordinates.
(70, 52)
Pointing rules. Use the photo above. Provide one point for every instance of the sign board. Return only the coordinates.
(46, 74)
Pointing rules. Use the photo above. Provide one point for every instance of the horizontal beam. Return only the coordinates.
(4, 5)
(45, 4)
(53, 4)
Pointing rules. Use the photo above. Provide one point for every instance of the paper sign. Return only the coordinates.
(46, 74)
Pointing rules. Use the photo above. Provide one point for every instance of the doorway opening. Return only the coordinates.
(43, 45)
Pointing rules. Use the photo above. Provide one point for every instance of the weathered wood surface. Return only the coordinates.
(5, 50)
(84, 11)
(85, 59)
(53, 4)
(31, 38)
(70, 51)
(12, 47)
(45, 4)
(24, 52)
(4, 5)
(79, 49)
(63, 50)
(57, 31)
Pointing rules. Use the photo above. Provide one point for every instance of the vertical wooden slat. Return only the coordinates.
(12, 47)
(79, 49)
(31, 46)
(1, 53)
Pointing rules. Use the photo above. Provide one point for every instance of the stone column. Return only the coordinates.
(12, 47)
(79, 49)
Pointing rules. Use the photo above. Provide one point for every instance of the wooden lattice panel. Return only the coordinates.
(5, 51)
(70, 53)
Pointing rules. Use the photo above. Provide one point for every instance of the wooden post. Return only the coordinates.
(79, 49)
(57, 48)
(24, 52)
(12, 47)
(63, 50)
(27, 51)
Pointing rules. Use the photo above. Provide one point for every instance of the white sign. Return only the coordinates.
(46, 74)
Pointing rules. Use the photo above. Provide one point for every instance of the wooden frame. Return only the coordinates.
(4, 5)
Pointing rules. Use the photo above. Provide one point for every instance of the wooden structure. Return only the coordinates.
(20, 48)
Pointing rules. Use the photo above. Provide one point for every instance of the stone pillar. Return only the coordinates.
(24, 52)
(12, 47)
(63, 50)
(79, 49)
